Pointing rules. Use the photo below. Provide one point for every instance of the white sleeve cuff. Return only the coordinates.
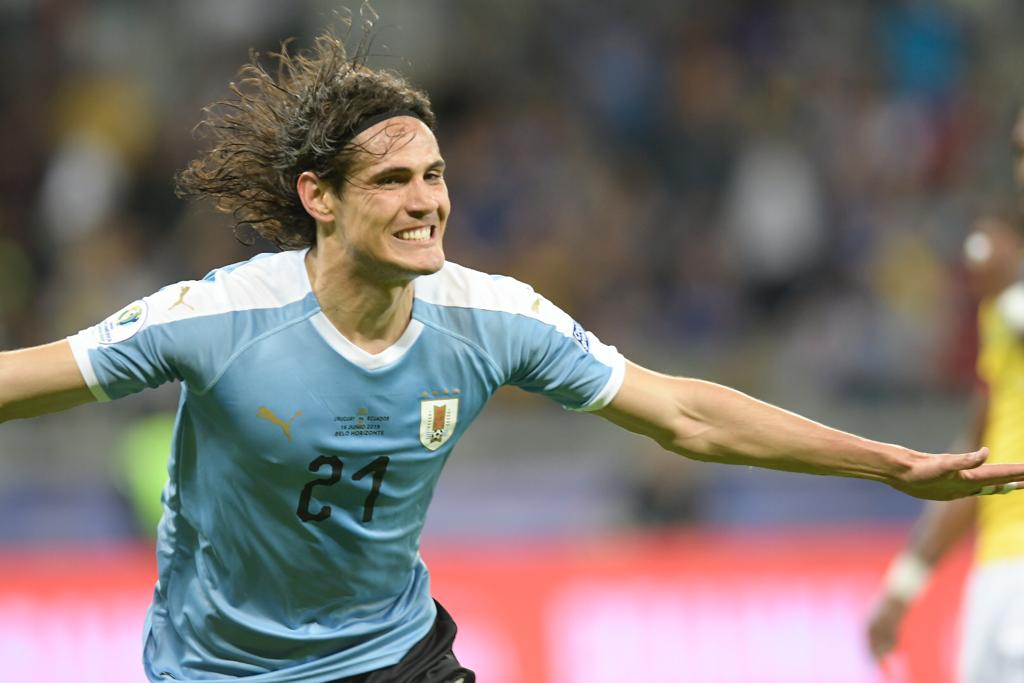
(80, 349)
(611, 387)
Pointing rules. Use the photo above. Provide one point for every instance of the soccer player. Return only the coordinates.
(992, 631)
(323, 388)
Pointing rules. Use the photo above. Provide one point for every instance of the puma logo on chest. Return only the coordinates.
(265, 413)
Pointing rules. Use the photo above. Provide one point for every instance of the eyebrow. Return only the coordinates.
(437, 164)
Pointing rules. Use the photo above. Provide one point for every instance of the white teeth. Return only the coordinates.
(414, 235)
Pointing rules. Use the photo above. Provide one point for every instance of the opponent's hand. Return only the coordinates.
(884, 625)
(955, 475)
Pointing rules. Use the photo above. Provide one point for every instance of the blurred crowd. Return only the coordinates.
(769, 192)
(701, 173)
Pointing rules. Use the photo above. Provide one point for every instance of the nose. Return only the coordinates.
(422, 199)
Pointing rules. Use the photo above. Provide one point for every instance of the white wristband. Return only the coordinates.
(907, 576)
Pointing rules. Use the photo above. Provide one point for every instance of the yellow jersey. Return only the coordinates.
(1001, 365)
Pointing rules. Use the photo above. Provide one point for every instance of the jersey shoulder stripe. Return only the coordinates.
(264, 281)
(192, 329)
(461, 287)
(529, 315)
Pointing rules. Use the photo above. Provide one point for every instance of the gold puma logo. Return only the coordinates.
(267, 414)
(536, 306)
(181, 299)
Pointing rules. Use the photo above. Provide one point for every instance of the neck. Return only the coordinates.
(371, 313)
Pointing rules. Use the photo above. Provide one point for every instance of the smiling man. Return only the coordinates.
(323, 388)
(378, 230)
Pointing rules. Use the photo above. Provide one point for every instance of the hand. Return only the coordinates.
(884, 625)
(949, 475)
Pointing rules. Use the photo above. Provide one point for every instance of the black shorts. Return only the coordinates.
(431, 660)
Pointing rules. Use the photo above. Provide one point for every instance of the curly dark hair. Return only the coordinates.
(302, 118)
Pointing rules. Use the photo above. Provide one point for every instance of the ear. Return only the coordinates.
(316, 197)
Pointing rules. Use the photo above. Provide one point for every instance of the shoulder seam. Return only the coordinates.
(510, 290)
(468, 342)
(518, 314)
(248, 345)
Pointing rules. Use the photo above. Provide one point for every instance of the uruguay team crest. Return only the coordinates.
(437, 421)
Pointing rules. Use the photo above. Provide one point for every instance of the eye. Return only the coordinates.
(435, 175)
(389, 180)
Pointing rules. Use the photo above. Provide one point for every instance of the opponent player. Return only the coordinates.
(992, 631)
(324, 387)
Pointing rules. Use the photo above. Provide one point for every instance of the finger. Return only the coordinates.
(986, 475)
(969, 461)
(1000, 489)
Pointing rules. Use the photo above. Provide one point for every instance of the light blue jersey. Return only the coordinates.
(302, 466)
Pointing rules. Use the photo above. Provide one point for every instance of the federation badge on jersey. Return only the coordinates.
(124, 324)
(437, 421)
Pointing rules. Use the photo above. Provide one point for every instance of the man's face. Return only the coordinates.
(394, 205)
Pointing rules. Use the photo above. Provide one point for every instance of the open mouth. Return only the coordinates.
(419, 234)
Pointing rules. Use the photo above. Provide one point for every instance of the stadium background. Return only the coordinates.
(768, 194)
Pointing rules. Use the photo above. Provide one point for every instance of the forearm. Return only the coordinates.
(719, 424)
(940, 527)
(710, 422)
(39, 380)
(707, 421)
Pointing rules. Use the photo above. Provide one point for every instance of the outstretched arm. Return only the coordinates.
(41, 379)
(708, 421)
